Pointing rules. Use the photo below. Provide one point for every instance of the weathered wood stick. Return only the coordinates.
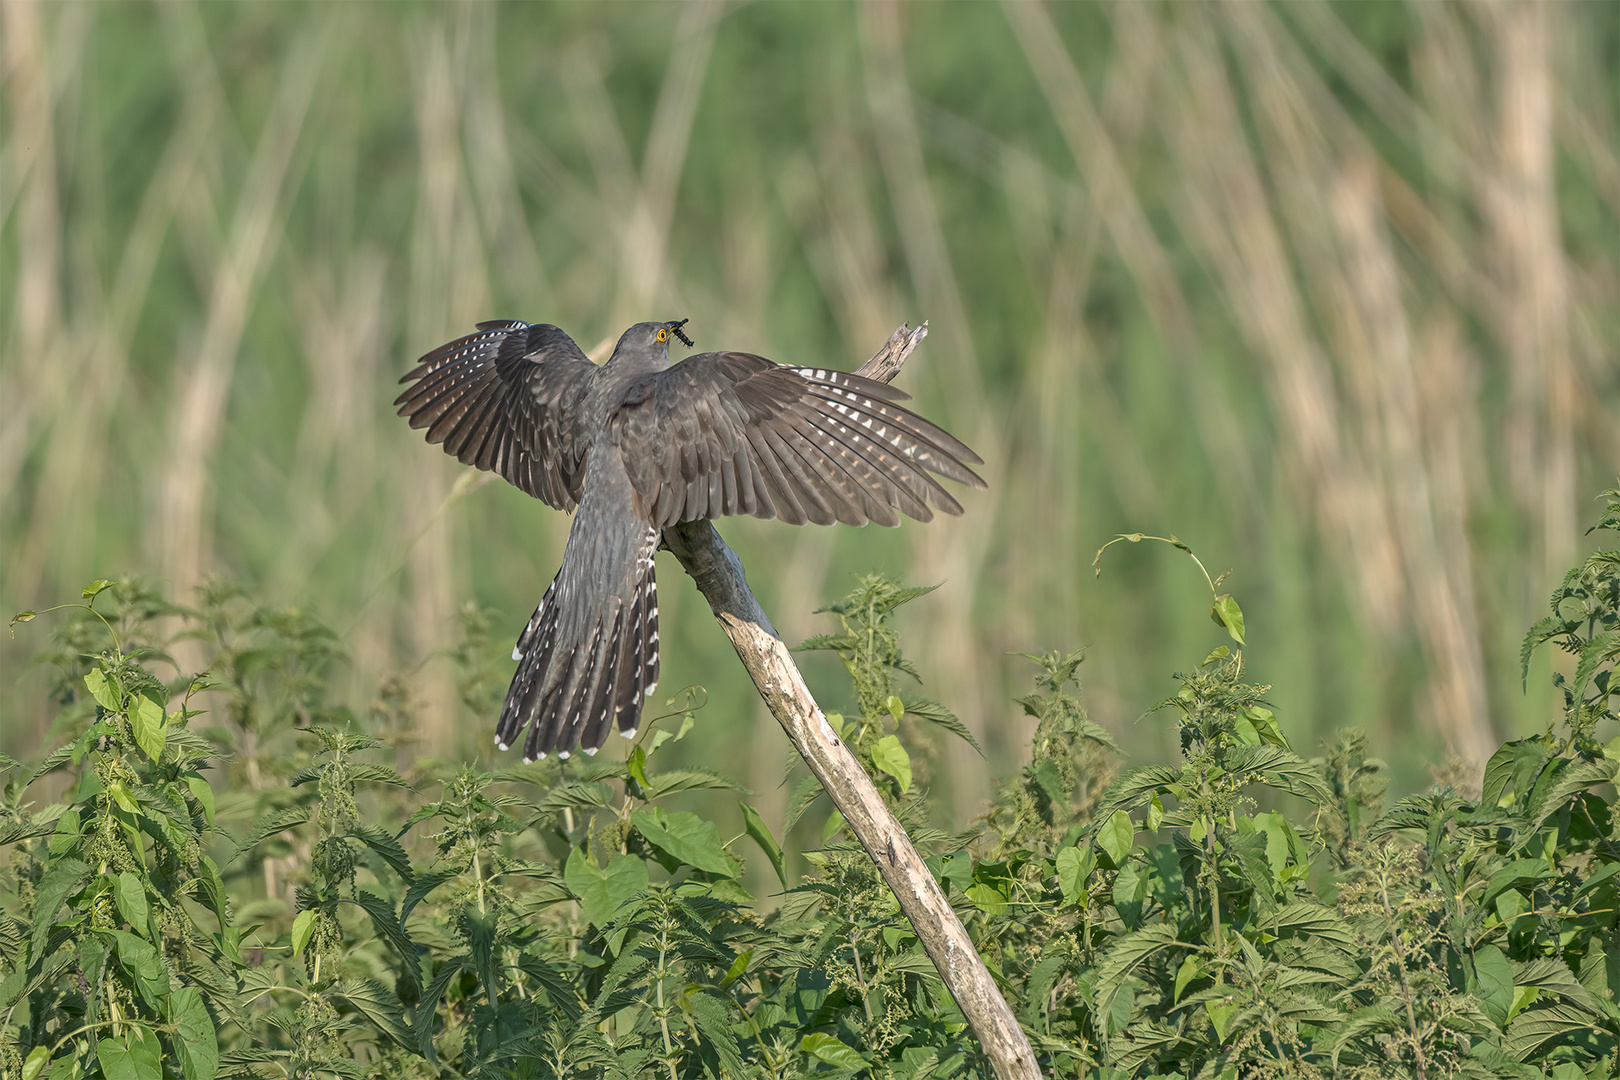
(720, 577)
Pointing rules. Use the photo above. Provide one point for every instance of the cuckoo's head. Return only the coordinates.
(650, 340)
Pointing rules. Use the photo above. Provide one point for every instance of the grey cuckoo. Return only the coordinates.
(637, 444)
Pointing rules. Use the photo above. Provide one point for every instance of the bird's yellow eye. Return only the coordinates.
(663, 335)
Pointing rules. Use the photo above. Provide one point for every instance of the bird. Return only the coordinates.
(636, 445)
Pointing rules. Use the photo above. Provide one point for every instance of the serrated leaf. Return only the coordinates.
(712, 1017)
(378, 1004)
(63, 878)
(935, 713)
(384, 844)
(1601, 649)
(1124, 957)
(761, 834)
(391, 930)
(1281, 769)
(671, 781)
(278, 822)
(95, 588)
(889, 756)
(1135, 788)
(424, 884)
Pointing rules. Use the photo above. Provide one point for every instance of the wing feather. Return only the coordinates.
(730, 433)
(507, 398)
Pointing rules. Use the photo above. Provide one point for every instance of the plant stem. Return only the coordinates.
(1400, 970)
(663, 1014)
(860, 976)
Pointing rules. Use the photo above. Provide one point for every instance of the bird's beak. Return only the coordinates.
(675, 328)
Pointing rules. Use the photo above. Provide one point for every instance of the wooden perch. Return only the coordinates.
(720, 577)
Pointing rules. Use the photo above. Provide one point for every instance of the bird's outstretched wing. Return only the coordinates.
(733, 433)
(507, 398)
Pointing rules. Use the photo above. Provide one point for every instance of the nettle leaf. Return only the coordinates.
(424, 884)
(935, 713)
(1550, 795)
(378, 1004)
(1602, 649)
(62, 879)
(279, 822)
(384, 844)
(712, 1017)
(602, 892)
(1125, 956)
(1312, 922)
(685, 837)
(1136, 787)
(1275, 767)
(892, 758)
(695, 779)
(1535, 1027)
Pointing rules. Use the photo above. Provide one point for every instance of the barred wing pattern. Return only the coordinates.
(733, 433)
(507, 398)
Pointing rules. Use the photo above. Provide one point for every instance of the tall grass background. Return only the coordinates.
(1330, 291)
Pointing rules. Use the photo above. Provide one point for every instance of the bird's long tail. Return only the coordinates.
(588, 657)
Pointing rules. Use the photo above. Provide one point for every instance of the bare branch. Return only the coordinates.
(720, 577)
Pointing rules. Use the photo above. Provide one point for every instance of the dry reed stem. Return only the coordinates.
(202, 384)
(939, 554)
(1531, 306)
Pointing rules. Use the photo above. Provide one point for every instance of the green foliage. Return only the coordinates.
(870, 649)
(1585, 622)
(267, 896)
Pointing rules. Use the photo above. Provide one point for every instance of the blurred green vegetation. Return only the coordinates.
(1332, 292)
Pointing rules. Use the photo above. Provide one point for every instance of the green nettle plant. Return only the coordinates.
(220, 874)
